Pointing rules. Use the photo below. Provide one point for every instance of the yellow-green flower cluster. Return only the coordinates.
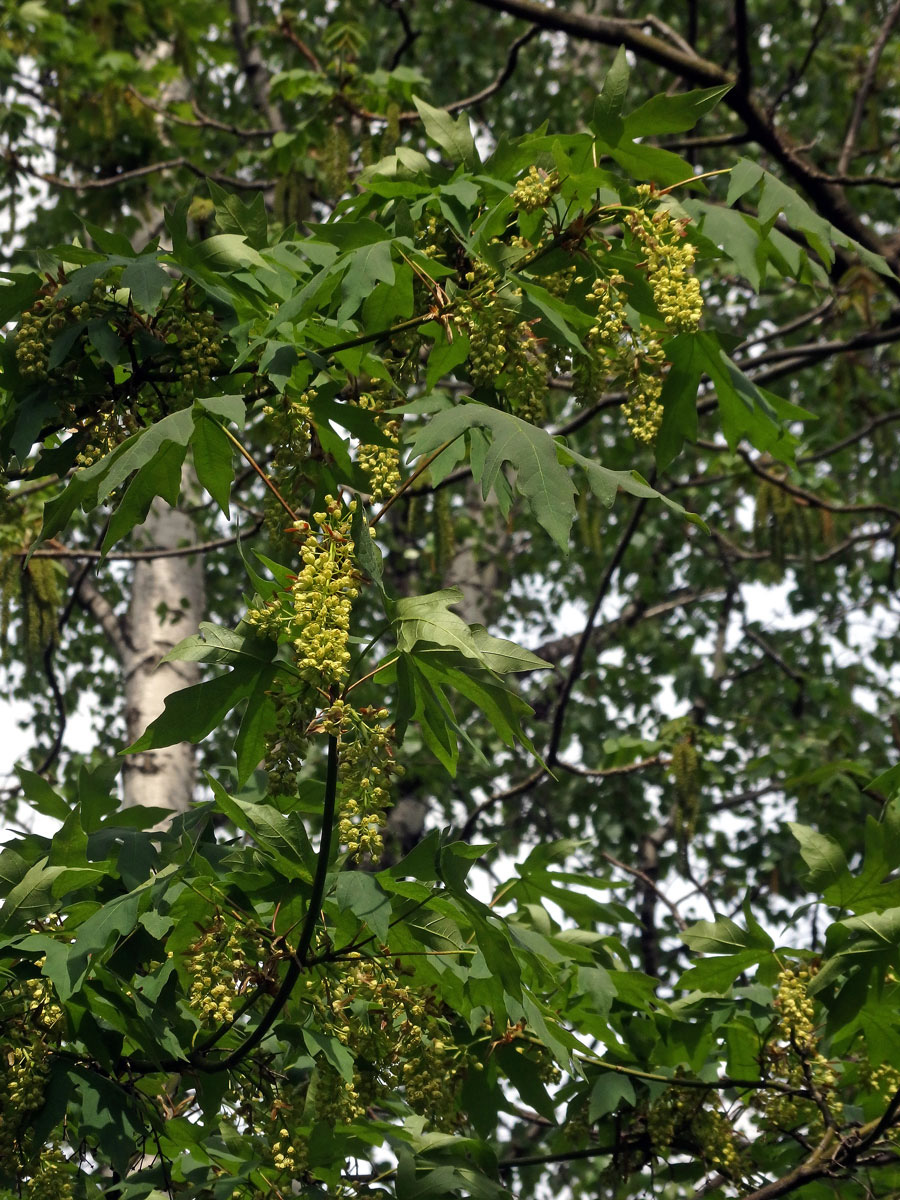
(364, 776)
(796, 1009)
(535, 190)
(690, 1116)
(643, 410)
(31, 1024)
(616, 351)
(291, 417)
(484, 322)
(34, 594)
(885, 1079)
(195, 338)
(504, 353)
(526, 375)
(316, 614)
(670, 265)
(399, 1041)
(290, 1153)
(795, 1060)
(53, 1178)
(23, 1076)
(38, 329)
(219, 969)
(380, 463)
(42, 1011)
(287, 742)
(610, 321)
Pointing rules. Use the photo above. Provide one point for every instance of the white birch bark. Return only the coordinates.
(167, 604)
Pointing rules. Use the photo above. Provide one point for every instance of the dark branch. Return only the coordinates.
(606, 579)
(613, 31)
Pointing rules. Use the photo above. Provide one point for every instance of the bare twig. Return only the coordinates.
(864, 90)
(648, 883)
(409, 34)
(771, 653)
(410, 116)
(93, 602)
(108, 181)
(509, 793)
(812, 498)
(294, 38)
(203, 121)
(795, 76)
(851, 438)
(61, 715)
(559, 648)
(578, 658)
(809, 317)
(640, 764)
(503, 77)
(57, 550)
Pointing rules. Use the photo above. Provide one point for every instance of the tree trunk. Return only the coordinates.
(167, 604)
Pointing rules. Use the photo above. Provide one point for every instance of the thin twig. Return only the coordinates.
(109, 181)
(578, 657)
(260, 472)
(864, 90)
(203, 121)
(647, 882)
(420, 469)
(64, 552)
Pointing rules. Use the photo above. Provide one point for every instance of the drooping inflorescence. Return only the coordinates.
(535, 190)
(380, 463)
(315, 613)
(96, 354)
(794, 1058)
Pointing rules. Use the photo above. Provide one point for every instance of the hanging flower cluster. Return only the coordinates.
(380, 463)
(316, 614)
(536, 189)
(222, 961)
(794, 1057)
(669, 265)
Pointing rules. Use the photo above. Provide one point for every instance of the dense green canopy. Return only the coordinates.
(485, 413)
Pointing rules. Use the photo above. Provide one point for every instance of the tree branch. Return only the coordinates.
(864, 90)
(93, 602)
(63, 552)
(171, 164)
(203, 121)
(299, 958)
(409, 34)
(648, 883)
(742, 45)
(812, 498)
(615, 31)
(578, 658)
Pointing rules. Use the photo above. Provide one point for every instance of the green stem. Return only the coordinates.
(363, 339)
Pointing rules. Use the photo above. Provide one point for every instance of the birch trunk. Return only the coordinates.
(167, 604)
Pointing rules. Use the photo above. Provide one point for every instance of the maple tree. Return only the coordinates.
(328, 382)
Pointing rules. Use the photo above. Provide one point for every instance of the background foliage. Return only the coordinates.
(419, 335)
